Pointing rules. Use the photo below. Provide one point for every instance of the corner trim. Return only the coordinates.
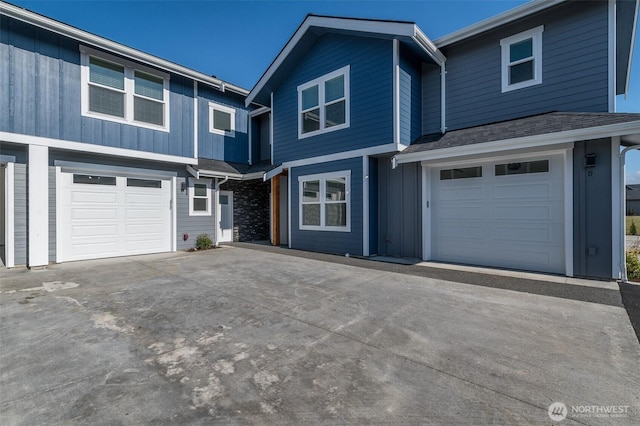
(10, 212)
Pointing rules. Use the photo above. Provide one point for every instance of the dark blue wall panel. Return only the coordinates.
(410, 98)
(326, 241)
(371, 89)
(574, 69)
(219, 147)
(41, 96)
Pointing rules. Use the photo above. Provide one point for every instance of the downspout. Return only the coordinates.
(623, 208)
(216, 205)
(443, 94)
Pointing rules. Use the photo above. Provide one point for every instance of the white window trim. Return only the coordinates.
(536, 35)
(231, 111)
(129, 89)
(345, 71)
(323, 177)
(192, 183)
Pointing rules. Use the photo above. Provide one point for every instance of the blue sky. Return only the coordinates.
(237, 40)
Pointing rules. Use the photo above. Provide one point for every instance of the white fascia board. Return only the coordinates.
(496, 21)
(403, 29)
(633, 42)
(259, 111)
(113, 47)
(375, 150)
(612, 130)
(193, 172)
(232, 176)
(272, 173)
(94, 149)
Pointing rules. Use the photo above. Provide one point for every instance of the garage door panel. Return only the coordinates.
(509, 220)
(98, 221)
(94, 231)
(93, 214)
(94, 197)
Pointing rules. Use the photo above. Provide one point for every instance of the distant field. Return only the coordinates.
(635, 219)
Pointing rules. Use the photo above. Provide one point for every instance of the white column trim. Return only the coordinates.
(9, 217)
(58, 212)
(617, 209)
(38, 194)
(612, 55)
(426, 213)
(288, 203)
(174, 214)
(195, 119)
(396, 91)
(365, 205)
(271, 128)
(568, 212)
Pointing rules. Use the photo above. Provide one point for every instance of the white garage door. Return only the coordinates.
(105, 216)
(506, 214)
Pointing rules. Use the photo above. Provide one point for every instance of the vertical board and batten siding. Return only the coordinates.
(431, 99)
(399, 209)
(574, 69)
(371, 95)
(592, 198)
(410, 98)
(20, 214)
(327, 241)
(41, 72)
(219, 147)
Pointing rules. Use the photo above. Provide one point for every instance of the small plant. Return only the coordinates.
(632, 228)
(633, 265)
(204, 242)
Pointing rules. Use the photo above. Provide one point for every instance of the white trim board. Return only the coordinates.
(94, 149)
(38, 199)
(544, 140)
(9, 218)
(72, 166)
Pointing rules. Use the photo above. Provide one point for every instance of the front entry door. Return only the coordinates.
(226, 217)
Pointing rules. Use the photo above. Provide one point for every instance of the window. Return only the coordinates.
(94, 180)
(325, 202)
(323, 104)
(522, 60)
(461, 173)
(540, 166)
(118, 90)
(222, 120)
(200, 197)
(144, 183)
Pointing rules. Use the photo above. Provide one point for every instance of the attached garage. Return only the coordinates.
(101, 215)
(506, 213)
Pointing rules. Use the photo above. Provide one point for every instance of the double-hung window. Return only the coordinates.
(118, 90)
(323, 104)
(325, 202)
(199, 197)
(522, 59)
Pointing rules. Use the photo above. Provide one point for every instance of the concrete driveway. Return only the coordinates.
(238, 336)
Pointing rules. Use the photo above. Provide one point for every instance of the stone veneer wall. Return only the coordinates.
(250, 209)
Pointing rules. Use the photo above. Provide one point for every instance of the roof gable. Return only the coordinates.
(315, 26)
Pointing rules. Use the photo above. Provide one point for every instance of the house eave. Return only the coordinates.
(115, 48)
(630, 130)
(496, 21)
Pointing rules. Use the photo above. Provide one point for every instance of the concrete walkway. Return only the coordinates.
(238, 336)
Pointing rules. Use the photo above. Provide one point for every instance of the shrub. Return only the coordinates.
(632, 228)
(204, 242)
(633, 265)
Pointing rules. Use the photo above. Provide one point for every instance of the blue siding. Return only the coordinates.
(371, 89)
(431, 99)
(40, 77)
(574, 74)
(410, 98)
(325, 241)
(219, 147)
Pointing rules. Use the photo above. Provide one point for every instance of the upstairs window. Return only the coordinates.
(522, 60)
(323, 104)
(222, 120)
(118, 90)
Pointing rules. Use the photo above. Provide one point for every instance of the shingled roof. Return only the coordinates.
(553, 122)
